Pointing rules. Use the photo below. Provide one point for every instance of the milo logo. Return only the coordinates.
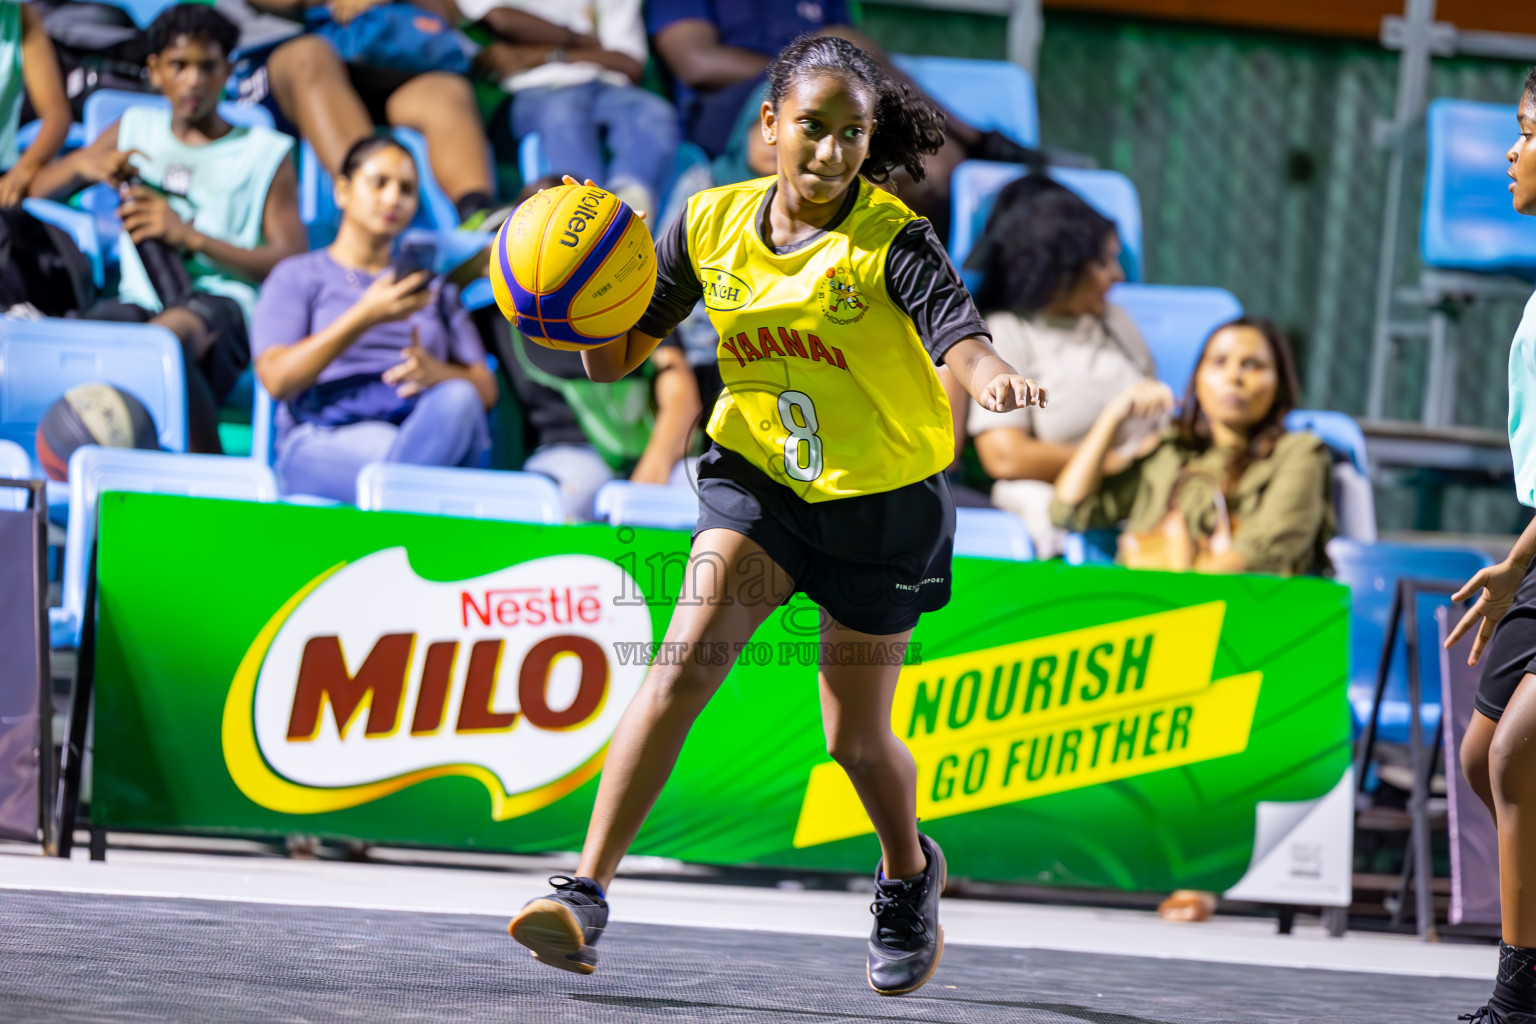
(371, 679)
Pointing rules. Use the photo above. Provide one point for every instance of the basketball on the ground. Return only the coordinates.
(574, 267)
(92, 414)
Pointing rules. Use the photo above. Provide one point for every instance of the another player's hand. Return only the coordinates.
(14, 184)
(1498, 584)
(1009, 391)
(146, 214)
(566, 179)
(417, 370)
(1146, 399)
(387, 300)
(110, 166)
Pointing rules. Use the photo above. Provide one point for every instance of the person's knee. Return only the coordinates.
(305, 61)
(1511, 764)
(425, 100)
(855, 750)
(682, 688)
(456, 398)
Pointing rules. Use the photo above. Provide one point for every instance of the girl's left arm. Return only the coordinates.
(990, 380)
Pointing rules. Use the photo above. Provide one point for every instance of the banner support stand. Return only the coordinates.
(79, 717)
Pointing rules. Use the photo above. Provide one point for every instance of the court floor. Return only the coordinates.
(86, 957)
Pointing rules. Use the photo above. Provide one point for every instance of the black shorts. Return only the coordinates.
(1511, 654)
(874, 562)
(230, 354)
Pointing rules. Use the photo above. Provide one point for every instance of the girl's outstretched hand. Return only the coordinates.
(1498, 584)
(1008, 391)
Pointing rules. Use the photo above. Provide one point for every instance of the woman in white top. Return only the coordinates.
(1050, 260)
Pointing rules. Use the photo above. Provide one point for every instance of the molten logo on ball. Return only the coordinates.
(372, 679)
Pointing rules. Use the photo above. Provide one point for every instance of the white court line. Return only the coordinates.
(428, 889)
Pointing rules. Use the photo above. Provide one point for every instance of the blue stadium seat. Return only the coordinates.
(992, 533)
(666, 507)
(1096, 547)
(78, 225)
(15, 464)
(317, 198)
(991, 95)
(263, 424)
(1469, 222)
(42, 359)
(94, 471)
(1353, 499)
(1372, 571)
(27, 134)
(143, 11)
(532, 164)
(1175, 320)
(104, 109)
(477, 294)
(467, 493)
(975, 184)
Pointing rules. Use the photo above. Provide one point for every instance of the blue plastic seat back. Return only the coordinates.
(1469, 222)
(94, 471)
(1338, 431)
(144, 12)
(78, 225)
(15, 464)
(975, 184)
(42, 359)
(317, 192)
(990, 95)
(1175, 320)
(533, 163)
(663, 506)
(467, 493)
(1372, 571)
(104, 109)
(992, 533)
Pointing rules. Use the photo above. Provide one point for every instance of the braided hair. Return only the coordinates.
(907, 124)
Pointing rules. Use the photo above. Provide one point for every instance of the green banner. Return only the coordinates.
(268, 668)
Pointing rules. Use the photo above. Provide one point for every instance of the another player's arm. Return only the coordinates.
(677, 410)
(989, 379)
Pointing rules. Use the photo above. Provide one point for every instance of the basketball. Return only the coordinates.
(92, 414)
(574, 268)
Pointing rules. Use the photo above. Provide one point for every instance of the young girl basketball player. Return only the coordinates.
(833, 302)
(1498, 753)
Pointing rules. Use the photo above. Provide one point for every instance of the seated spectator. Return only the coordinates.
(219, 200)
(573, 69)
(29, 70)
(1050, 260)
(368, 368)
(333, 105)
(583, 433)
(1227, 489)
(718, 52)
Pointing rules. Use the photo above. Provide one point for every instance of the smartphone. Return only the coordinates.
(413, 257)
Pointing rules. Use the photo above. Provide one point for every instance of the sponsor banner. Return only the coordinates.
(420, 680)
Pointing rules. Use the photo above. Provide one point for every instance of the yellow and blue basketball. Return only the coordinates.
(574, 268)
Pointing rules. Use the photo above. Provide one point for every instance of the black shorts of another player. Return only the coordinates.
(224, 320)
(1511, 654)
(874, 562)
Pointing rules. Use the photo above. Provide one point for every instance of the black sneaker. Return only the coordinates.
(1490, 1014)
(560, 929)
(907, 942)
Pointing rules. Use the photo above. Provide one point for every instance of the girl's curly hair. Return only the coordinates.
(907, 124)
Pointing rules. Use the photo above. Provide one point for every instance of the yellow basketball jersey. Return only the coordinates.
(828, 388)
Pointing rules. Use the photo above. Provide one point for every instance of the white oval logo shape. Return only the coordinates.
(378, 678)
(723, 290)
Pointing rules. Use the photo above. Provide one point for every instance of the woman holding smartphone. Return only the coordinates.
(371, 361)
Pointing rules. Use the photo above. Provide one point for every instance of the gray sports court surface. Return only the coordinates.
(94, 957)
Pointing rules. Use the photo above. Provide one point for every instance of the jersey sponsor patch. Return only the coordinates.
(840, 296)
(723, 290)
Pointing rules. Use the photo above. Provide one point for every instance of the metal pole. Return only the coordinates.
(1026, 27)
(1412, 91)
